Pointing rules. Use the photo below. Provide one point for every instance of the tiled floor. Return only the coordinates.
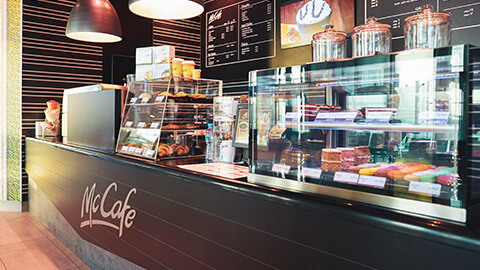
(26, 244)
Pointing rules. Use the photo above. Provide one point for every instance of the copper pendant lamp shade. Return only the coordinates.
(166, 9)
(94, 21)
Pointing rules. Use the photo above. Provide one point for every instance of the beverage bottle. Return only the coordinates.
(217, 141)
(209, 143)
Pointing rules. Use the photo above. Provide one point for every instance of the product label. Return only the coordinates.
(434, 117)
(280, 168)
(423, 187)
(145, 100)
(311, 172)
(149, 153)
(133, 100)
(131, 150)
(372, 181)
(159, 98)
(128, 124)
(346, 178)
(155, 125)
(378, 117)
(141, 124)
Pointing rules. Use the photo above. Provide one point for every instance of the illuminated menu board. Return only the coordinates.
(240, 32)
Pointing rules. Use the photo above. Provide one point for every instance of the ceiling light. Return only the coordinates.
(166, 9)
(94, 21)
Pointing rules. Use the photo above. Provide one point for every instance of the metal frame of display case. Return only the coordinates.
(468, 211)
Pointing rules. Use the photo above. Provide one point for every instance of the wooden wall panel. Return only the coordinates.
(183, 34)
(51, 61)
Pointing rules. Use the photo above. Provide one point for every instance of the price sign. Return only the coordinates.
(128, 124)
(326, 117)
(293, 116)
(372, 181)
(145, 100)
(346, 178)
(155, 125)
(133, 100)
(124, 149)
(159, 98)
(423, 187)
(311, 172)
(138, 151)
(345, 116)
(131, 149)
(279, 168)
(149, 153)
(378, 117)
(434, 117)
(141, 125)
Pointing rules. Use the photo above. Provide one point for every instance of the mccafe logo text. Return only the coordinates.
(215, 16)
(118, 216)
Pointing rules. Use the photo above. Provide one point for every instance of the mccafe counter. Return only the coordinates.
(119, 213)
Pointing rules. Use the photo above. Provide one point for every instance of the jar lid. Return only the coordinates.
(330, 35)
(372, 26)
(428, 15)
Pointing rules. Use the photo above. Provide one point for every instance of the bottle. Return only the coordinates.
(217, 141)
(209, 143)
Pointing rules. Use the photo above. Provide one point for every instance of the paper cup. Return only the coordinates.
(196, 73)
(187, 68)
(177, 67)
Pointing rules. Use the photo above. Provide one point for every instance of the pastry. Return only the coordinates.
(164, 94)
(400, 174)
(172, 126)
(292, 157)
(191, 126)
(331, 166)
(368, 171)
(331, 160)
(416, 175)
(362, 155)
(144, 95)
(182, 97)
(382, 172)
(198, 96)
(182, 150)
(347, 156)
(165, 150)
(432, 177)
(448, 179)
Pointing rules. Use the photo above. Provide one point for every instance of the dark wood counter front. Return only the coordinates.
(161, 218)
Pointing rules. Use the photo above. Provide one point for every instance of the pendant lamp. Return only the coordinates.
(166, 9)
(94, 21)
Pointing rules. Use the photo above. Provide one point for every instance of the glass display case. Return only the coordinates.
(392, 131)
(166, 118)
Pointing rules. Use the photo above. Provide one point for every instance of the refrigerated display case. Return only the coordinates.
(166, 118)
(391, 131)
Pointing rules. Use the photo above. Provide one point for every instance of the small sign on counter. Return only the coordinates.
(141, 124)
(124, 149)
(440, 117)
(149, 153)
(372, 181)
(159, 98)
(346, 178)
(280, 168)
(155, 125)
(131, 149)
(145, 100)
(133, 100)
(379, 117)
(311, 172)
(138, 151)
(425, 187)
(128, 124)
(336, 116)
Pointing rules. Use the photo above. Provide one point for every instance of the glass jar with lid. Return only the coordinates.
(428, 29)
(371, 38)
(329, 45)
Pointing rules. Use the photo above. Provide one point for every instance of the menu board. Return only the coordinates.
(465, 16)
(240, 32)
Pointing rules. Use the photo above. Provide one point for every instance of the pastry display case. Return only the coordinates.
(391, 131)
(166, 118)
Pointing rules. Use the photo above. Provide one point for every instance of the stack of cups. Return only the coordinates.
(186, 69)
